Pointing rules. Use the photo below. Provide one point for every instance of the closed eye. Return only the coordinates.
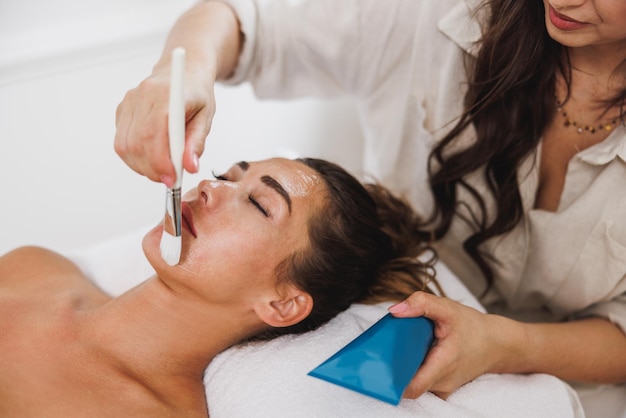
(219, 176)
(258, 205)
(251, 198)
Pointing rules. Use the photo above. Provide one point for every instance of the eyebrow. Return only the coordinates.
(270, 182)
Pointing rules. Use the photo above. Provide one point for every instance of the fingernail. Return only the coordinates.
(196, 162)
(399, 307)
(167, 180)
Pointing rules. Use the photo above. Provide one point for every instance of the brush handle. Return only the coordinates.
(176, 119)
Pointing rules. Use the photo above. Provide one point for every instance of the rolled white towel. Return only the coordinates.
(269, 379)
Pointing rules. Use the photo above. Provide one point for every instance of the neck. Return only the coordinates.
(595, 67)
(596, 79)
(151, 332)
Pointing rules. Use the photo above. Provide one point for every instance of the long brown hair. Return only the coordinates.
(364, 247)
(509, 102)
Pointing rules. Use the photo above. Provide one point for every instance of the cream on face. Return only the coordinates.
(302, 183)
(241, 226)
(297, 184)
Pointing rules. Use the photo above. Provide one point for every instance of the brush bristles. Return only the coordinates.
(170, 248)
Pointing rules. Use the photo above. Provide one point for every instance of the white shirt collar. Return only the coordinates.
(606, 151)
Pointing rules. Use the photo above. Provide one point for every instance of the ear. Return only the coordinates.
(288, 308)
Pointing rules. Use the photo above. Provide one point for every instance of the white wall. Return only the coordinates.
(64, 67)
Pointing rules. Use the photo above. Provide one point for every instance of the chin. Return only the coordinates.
(570, 40)
(151, 245)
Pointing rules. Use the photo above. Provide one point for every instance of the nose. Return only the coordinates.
(213, 193)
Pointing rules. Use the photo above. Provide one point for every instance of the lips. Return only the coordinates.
(563, 22)
(187, 219)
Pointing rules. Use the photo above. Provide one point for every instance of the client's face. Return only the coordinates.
(239, 227)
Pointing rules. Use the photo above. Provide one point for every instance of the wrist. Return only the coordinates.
(512, 346)
(210, 34)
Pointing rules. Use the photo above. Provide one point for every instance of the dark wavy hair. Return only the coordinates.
(363, 247)
(510, 101)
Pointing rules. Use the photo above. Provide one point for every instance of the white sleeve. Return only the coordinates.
(613, 310)
(324, 47)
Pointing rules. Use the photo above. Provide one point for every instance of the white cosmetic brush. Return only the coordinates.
(171, 240)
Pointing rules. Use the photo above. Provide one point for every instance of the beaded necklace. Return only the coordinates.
(580, 128)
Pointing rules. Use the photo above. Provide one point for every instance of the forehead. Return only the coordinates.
(295, 177)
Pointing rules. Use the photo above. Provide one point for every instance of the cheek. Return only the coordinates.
(244, 257)
(231, 271)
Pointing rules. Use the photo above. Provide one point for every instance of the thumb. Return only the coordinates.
(422, 304)
(194, 147)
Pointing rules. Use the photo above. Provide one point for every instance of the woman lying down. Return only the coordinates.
(271, 247)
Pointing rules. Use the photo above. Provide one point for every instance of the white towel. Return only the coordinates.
(270, 379)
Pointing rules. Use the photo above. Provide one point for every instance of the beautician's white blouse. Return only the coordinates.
(402, 61)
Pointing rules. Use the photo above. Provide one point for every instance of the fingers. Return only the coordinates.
(142, 138)
(430, 377)
(141, 122)
(442, 395)
(414, 305)
(198, 127)
(448, 364)
(423, 304)
(430, 306)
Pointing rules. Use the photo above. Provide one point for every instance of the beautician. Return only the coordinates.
(502, 121)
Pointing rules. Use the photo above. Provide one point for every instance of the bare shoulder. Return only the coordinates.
(35, 258)
(28, 265)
